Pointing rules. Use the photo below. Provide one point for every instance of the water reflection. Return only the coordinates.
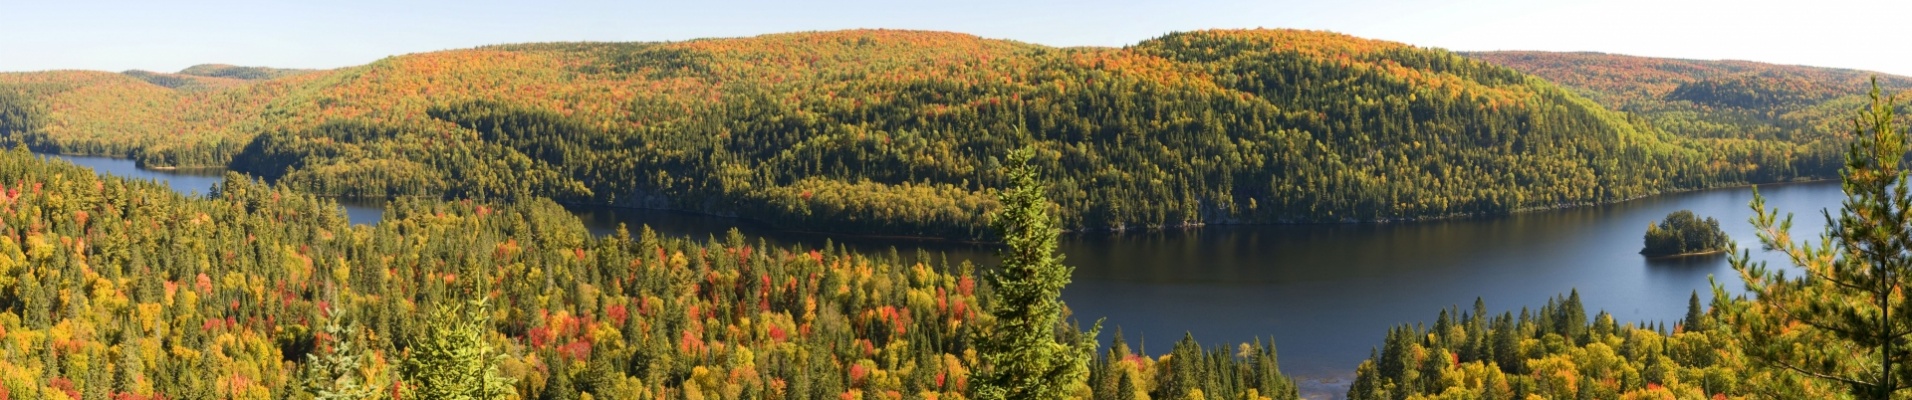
(1686, 262)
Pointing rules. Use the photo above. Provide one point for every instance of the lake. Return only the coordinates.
(200, 181)
(1325, 293)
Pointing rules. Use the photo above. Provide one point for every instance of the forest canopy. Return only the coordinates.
(124, 289)
(1720, 103)
(899, 132)
(477, 283)
(1683, 233)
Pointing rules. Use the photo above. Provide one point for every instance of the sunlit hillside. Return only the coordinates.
(896, 132)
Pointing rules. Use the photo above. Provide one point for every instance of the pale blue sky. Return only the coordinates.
(168, 36)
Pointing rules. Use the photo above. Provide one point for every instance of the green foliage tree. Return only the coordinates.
(1845, 320)
(338, 374)
(1695, 314)
(1533, 355)
(453, 360)
(1021, 356)
(1684, 233)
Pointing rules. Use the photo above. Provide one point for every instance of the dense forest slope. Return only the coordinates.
(1720, 104)
(1557, 352)
(895, 132)
(126, 114)
(123, 289)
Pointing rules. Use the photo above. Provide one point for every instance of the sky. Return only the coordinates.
(171, 35)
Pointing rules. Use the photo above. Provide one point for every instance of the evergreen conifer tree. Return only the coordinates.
(338, 374)
(1020, 352)
(452, 360)
(1694, 312)
(1845, 320)
(1125, 387)
(130, 369)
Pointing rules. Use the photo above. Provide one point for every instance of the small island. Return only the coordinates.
(1683, 234)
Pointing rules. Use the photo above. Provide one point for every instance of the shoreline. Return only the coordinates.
(1684, 255)
(177, 168)
(1193, 225)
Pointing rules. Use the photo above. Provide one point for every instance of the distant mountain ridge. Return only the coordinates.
(898, 132)
(240, 72)
(1622, 79)
(213, 76)
(1717, 101)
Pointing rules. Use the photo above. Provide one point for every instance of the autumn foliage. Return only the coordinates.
(898, 132)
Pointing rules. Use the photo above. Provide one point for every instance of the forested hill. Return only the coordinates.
(1633, 81)
(240, 72)
(896, 132)
(1718, 103)
(125, 114)
(213, 76)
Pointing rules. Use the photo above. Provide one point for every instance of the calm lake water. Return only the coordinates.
(1327, 293)
(200, 181)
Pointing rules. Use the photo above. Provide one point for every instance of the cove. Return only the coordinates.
(1326, 294)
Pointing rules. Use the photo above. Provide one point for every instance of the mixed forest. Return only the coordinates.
(123, 289)
(477, 284)
(1720, 104)
(1683, 233)
(900, 132)
(1825, 329)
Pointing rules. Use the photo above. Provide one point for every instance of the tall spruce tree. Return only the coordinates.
(1695, 314)
(1845, 320)
(1021, 355)
(452, 360)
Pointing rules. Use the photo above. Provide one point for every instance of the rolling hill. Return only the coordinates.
(1718, 103)
(899, 132)
(212, 76)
